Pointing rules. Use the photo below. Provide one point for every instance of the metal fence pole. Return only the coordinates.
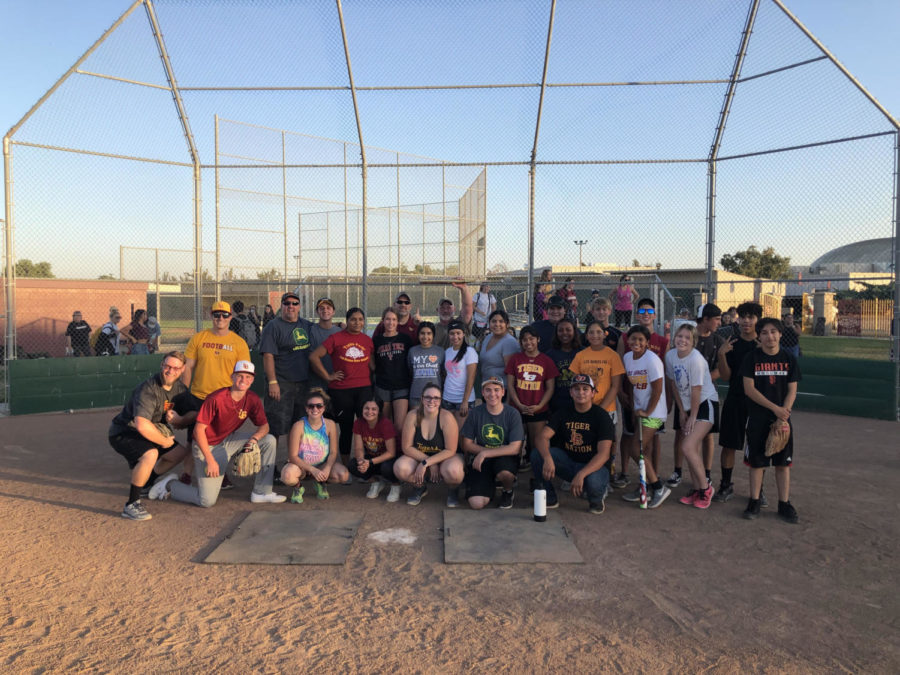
(121, 263)
(284, 208)
(895, 339)
(346, 240)
(218, 248)
(9, 352)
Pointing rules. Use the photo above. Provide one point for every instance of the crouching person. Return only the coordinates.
(143, 432)
(582, 436)
(217, 439)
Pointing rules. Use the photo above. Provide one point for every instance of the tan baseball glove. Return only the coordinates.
(247, 462)
(779, 433)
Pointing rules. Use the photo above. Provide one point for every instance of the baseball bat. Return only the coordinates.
(641, 466)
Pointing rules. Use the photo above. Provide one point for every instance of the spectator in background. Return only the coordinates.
(155, 333)
(254, 316)
(483, 304)
(137, 334)
(623, 298)
(108, 340)
(567, 293)
(268, 315)
(78, 336)
(790, 340)
(242, 325)
(541, 290)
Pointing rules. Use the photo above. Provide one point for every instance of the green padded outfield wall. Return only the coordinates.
(55, 385)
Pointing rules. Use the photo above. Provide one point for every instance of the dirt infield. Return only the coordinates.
(675, 589)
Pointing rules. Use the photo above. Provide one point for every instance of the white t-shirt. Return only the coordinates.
(689, 372)
(641, 373)
(482, 308)
(455, 382)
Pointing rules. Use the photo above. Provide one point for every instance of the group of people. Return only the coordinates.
(140, 336)
(399, 408)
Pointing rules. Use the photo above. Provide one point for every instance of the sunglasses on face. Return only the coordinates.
(431, 398)
(315, 406)
(288, 303)
(403, 302)
(646, 310)
(221, 315)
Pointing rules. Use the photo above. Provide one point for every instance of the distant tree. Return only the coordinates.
(106, 277)
(499, 268)
(765, 264)
(26, 268)
(269, 275)
(870, 292)
(635, 262)
(189, 276)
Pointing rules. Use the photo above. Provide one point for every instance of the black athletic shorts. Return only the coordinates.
(704, 414)
(289, 408)
(132, 446)
(755, 450)
(733, 423)
(482, 483)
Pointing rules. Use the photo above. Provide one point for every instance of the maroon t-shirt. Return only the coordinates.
(410, 328)
(223, 415)
(350, 353)
(531, 374)
(374, 440)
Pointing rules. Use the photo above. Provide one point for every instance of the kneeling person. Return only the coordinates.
(492, 435)
(143, 432)
(582, 436)
(217, 439)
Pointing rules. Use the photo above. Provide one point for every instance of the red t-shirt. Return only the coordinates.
(410, 328)
(223, 415)
(374, 440)
(658, 344)
(350, 353)
(531, 374)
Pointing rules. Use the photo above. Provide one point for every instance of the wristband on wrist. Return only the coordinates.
(425, 463)
(273, 381)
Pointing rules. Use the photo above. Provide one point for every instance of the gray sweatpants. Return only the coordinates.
(206, 492)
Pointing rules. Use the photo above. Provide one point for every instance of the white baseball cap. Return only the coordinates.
(244, 367)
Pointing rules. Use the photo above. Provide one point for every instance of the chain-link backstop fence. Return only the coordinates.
(204, 150)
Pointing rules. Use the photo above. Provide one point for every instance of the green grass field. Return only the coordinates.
(876, 349)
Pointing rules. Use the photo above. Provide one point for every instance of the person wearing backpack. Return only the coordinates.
(105, 340)
(483, 304)
(242, 325)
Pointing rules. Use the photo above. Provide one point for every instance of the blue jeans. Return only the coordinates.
(594, 483)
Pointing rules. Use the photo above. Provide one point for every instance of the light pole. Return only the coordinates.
(579, 243)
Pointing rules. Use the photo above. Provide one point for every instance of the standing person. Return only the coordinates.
(406, 324)
(696, 407)
(312, 450)
(546, 328)
(447, 314)
(497, 348)
(460, 364)
(588, 315)
(583, 435)
(709, 317)
(107, 343)
(242, 325)
(217, 438)
(600, 310)
(211, 358)
(426, 361)
(492, 439)
(143, 432)
(566, 345)
(730, 327)
(790, 340)
(389, 362)
(734, 411)
(350, 380)
(567, 293)
(318, 333)
(285, 347)
(375, 450)
(430, 439)
(770, 375)
(254, 316)
(155, 334)
(541, 290)
(137, 334)
(644, 389)
(623, 298)
(530, 382)
(483, 304)
(268, 315)
(78, 336)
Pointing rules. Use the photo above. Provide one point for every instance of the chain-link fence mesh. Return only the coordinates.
(661, 141)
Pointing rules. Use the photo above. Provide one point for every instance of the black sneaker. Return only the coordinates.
(506, 499)
(619, 481)
(724, 493)
(226, 484)
(597, 507)
(524, 465)
(552, 500)
(752, 510)
(787, 512)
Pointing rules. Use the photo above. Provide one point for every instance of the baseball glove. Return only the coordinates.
(247, 461)
(779, 433)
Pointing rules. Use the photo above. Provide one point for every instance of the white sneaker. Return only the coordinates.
(375, 489)
(160, 489)
(394, 493)
(268, 498)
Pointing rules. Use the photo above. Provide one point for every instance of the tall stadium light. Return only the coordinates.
(580, 243)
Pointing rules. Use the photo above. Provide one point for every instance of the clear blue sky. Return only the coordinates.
(41, 39)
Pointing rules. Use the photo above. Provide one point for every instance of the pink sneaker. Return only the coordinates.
(704, 497)
(689, 498)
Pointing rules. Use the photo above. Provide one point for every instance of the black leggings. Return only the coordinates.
(384, 469)
(346, 404)
(623, 317)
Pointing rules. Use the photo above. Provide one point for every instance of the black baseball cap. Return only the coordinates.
(556, 301)
(708, 311)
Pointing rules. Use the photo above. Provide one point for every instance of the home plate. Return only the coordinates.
(508, 536)
(289, 538)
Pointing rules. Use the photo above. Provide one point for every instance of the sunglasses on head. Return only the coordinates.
(288, 303)
(646, 310)
(221, 315)
(315, 406)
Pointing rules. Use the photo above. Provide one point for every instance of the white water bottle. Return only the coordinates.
(540, 504)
